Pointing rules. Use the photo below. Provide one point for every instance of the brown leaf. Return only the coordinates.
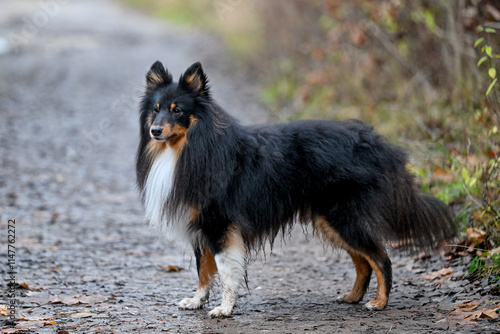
(4, 310)
(462, 312)
(92, 299)
(358, 36)
(316, 78)
(82, 315)
(443, 175)
(172, 269)
(79, 299)
(489, 314)
(476, 235)
(478, 216)
(492, 154)
(69, 301)
(466, 306)
(438, 274)
(36, 317)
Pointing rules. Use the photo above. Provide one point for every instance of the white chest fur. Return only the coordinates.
(158, 187)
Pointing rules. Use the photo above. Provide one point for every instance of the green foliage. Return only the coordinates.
(486, 266)
(490, 57)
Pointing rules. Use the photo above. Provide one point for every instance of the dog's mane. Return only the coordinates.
(207, 162)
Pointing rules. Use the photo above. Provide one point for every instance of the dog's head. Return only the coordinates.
(170, 109)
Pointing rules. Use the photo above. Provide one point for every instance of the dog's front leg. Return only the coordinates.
(207, 268)
(231, 263)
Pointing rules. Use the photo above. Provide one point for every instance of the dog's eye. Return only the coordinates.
(176, 111)
(156, 110)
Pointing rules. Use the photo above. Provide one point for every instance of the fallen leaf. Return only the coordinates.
(35, 317)
(92, 299)
(49, 323)
(30, 324)
(478, 217)
(441, 174)
(492, 154)
(466, 306)
(4, 310)
(489, 314)
(33, 293)
(476, 235)
(464, 315)
(438, 274)
(492, 314)
(494, 251)
(79, 299)
(172, 269)
(70, 301)
(82, 315)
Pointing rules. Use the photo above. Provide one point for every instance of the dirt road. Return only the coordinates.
(71, 75)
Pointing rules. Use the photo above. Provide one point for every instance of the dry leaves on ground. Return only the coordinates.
(79, 299)
(172, 269)
(439, 274)
(473, 311)
(4, 311)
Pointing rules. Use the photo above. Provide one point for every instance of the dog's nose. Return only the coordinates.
(156, 131)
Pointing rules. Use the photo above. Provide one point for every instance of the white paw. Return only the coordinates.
(342, 298)
(220, 312)
(190, 304)
(373, 306)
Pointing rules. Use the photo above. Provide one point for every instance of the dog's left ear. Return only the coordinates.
(195, 80)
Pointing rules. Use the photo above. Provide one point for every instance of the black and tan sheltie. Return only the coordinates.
(228, 189)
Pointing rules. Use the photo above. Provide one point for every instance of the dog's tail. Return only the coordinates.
(419, 221)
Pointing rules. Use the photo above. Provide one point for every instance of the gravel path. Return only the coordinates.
(86, 262)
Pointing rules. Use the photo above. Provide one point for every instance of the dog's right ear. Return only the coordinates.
(157, 76)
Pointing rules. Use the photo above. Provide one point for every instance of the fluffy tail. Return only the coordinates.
(421, 221)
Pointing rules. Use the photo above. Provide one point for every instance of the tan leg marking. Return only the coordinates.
(208, 269)
(381, 299)
(329, 234)
(206, 273)
(362, 262)
(363, 273)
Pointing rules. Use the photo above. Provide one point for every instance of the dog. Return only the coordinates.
(228, 190)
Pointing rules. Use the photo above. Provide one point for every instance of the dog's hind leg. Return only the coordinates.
(205, 263)
(231, 263)
(370, 257)
(381, 265)
(363, 276)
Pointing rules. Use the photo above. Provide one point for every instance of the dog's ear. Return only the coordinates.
(195, 80)
(157, 76)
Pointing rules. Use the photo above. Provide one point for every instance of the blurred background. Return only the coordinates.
(423, 72)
